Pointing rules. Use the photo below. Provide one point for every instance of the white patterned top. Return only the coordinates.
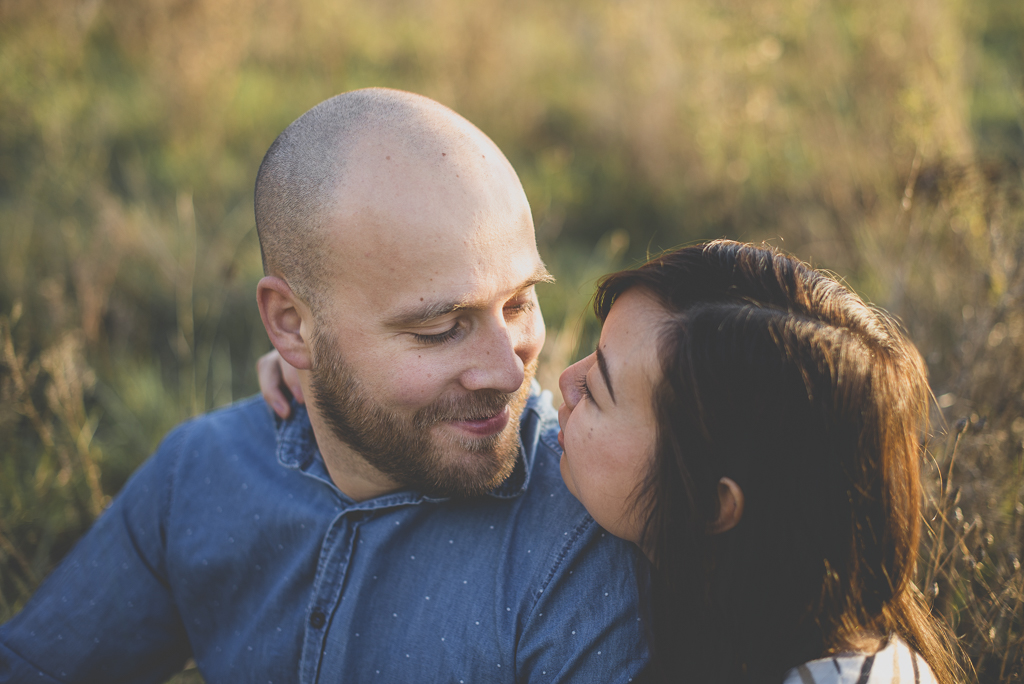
(897, 663)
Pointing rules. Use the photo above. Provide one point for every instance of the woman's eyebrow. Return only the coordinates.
(602, 366)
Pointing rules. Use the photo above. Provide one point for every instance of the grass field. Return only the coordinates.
(883, 141)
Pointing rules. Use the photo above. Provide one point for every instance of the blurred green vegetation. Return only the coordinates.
(884, 141)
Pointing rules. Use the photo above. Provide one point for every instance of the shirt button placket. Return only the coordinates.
(318, 662)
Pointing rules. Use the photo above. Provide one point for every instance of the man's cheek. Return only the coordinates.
(418, 382)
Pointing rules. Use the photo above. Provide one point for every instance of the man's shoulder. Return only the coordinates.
(220, 472)
(226, 441)
(247, 422)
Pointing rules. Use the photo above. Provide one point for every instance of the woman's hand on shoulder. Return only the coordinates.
(276, 377)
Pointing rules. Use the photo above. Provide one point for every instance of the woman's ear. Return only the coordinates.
(286, 319)
(730, 506)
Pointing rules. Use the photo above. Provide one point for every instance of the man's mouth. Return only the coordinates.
(487, 426)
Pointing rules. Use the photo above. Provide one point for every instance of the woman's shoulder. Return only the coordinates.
(896, 663)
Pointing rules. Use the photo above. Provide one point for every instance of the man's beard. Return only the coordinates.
(403, 448)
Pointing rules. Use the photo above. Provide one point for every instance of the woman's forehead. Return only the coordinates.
(629, 341)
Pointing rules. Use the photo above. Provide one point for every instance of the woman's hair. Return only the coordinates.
(814, 403)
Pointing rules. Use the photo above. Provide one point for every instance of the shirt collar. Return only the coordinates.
(297, 449)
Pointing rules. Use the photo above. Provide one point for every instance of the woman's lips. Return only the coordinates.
(486, 426)
(563, 418)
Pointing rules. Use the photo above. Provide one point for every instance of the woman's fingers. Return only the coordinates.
(290, 375)
(269, 372)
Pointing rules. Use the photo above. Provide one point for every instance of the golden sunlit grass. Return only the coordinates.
(883, 141)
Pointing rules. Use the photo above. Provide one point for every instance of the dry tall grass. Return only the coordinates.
(882, 140)
(971, 560)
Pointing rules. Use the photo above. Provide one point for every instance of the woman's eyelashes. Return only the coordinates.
(583, 387)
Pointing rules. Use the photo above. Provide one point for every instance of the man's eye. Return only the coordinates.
(440, 338)
(520, 307)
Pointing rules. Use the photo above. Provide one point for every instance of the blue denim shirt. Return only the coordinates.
(233, 546)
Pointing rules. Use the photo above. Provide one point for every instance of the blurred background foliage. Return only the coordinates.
(883, 141)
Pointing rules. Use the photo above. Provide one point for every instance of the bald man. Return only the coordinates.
(409, 523)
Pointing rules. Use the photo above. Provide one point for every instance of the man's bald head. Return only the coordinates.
(303, 176)
(401, 264)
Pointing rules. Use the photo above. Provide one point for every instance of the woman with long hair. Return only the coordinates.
(774, 483)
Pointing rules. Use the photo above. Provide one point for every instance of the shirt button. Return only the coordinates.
(317, 619)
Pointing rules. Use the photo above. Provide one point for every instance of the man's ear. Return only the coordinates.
(287, 319)
(730, 506)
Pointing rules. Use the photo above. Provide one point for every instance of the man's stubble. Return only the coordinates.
(412, 451)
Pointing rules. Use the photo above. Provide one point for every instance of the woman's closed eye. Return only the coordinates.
(583, 387)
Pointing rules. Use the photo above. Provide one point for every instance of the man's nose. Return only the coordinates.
(494, 363)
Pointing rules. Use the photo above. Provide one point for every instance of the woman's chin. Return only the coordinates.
(563, 468)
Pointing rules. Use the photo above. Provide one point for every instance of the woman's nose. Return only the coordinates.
(569, 384)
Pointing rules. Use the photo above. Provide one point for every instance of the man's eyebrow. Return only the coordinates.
(428, 311)
(423, 313)
(602, 365)
(540, 275)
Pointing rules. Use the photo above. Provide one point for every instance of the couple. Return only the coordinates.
(752, 426)
(749, 425)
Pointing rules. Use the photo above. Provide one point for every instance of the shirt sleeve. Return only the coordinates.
(585, 626)
(106, 612)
